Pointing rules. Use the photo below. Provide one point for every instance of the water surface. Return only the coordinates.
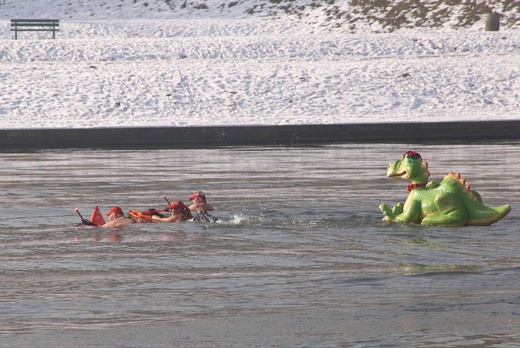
(301, 256)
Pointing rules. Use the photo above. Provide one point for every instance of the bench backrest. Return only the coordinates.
(35, 22)
(35, 25)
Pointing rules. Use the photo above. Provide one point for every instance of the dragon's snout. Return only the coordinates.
(394, 170)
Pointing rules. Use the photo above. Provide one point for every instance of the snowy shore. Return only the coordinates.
(227, 72)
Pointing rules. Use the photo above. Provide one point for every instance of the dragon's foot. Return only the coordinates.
(398, 209)
(391, 214)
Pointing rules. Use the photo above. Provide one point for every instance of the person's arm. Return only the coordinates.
(201, 206)
(158, 218)
(122, 221)
(173, 218)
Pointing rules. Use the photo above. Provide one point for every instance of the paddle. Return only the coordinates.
(84, 222)
(167, 201)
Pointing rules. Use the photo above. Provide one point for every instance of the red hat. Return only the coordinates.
(116, 210)
(197, 194)
(176, 205)
(412, 154)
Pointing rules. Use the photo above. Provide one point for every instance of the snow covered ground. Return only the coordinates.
(251, 71)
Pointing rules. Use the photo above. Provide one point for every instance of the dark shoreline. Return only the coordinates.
(288, 135)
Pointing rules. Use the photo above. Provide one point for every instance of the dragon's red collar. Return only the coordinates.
(412, 186)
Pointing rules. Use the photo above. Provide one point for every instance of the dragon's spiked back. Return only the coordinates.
(478, 213)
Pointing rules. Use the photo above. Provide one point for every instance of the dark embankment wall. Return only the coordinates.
(205, 137)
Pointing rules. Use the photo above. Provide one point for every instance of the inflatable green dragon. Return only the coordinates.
(448, 202)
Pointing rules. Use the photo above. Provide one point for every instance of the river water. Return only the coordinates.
(300, 257)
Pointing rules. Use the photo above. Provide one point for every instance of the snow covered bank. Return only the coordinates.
(226, 65)
(340, 16)
(221, 72)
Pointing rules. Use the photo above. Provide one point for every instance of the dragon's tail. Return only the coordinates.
(479, 213)
(487, 215)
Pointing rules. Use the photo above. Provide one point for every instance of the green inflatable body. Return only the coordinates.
(448, 202)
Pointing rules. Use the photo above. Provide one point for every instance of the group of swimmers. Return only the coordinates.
(179, 211)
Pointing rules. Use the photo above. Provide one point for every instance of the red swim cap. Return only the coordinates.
(197, 194)
(116, 210)
(177, 205)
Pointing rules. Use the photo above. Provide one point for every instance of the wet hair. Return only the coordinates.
(186, 213)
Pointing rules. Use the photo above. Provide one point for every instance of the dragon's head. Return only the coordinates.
(411, 167)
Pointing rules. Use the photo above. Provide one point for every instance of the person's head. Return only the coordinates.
(197, 197)
(115, 213)
(177, 207)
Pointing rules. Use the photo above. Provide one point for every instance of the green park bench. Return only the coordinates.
(35, 25)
